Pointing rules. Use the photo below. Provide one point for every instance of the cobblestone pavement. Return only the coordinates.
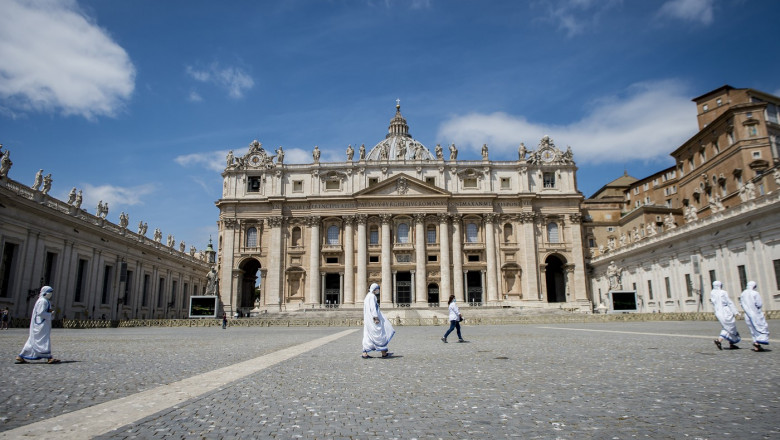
(558, 381)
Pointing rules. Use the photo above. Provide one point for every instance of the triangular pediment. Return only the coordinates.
(402, 185)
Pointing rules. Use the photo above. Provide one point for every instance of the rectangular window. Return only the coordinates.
(81, 279)
(646, 186)
(691, 164)
(253, 184)
(333, 185)
(297, 186)
(591, 243)
(403, 258)
(777, 273)
(173, 294)
(431, 235)
(160, 292)
(373, 258)
(184, 293)
(689, 285)
(49, 266)
(742, 277)
(145, 292)
(373, 181)
(756, 155)
(373, 236)
(712, 277)
(106, 285)
(505, 183)
(430, 181)
(7, 268)
(469, 183)
(128, 287)
(332, 260)
(668, 288)
(650, 290)
(473, 258)
(549, 180)
(433, 258)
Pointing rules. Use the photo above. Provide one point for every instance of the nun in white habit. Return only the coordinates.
(751, 303)
(38, 344)
(377, 331)
(726, 313)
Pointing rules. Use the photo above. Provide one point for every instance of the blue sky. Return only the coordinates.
(137, 103)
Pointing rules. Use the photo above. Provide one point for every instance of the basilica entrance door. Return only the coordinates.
(403, 288)
(249, 284)
(332, 290)
(433, 294)
(556, 281)
(474, 287)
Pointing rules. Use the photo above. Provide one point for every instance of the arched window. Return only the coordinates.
(373, 235)
(333, 234)
(507, 233)
(403, 233)
(471, 232)
(251, 237)
(552, 232)
(296, 236)
(431, 234)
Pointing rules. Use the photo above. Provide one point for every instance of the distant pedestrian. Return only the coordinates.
(455, 319)
(38, 344)
(726, 313)
(754, 316)
(224, 320)
(377, 331)
(4, 318)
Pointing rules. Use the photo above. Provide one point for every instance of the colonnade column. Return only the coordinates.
(226, 249)
(457, 259)
(274, 291)
(361, 287)
(314, 260)
(386, 287)
(444, 239)
(529, 258)
(420, 290)
(349, 261)
(578, 289)
(492, 282)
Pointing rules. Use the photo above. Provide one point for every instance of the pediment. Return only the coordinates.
(402, 185)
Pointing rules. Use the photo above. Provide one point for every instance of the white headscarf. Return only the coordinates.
(751, 285)
(46, 292)
(373, 287)
(717, 285)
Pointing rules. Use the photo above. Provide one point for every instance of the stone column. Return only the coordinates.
(445, 287)
(482, 285)
(420, 296)
(490, 242)
(274, 290)
(579, 290)
(361, 288)
(386, 288)
(348, 276)
(227, 251)
(314, 260)
(542, 281)
(458, 281)
(529, 259)
(322, 288)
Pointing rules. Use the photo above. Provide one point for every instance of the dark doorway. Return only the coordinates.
(403, 288)
(556, 281)
(249, 283)
(433, 294)
(474, 287)
(332, 289)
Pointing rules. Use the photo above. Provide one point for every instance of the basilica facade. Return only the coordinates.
(421, 224)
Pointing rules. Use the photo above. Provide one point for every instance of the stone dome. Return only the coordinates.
(399, 144)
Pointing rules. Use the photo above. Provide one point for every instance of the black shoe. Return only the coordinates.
(718, 344)
(444, 340)
(461, 340)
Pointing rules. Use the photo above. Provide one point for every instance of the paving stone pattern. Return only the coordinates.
(539, 381)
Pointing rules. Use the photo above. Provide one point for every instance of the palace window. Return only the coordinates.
(297, 186)
(373, 258)
(650, 289)
(668, 288)
(470, 183)
(373, 235)
(160, 292)
(173, 294)
(712, 277)
(106, 285)
(507, 233)
(373, 181)
(742, 277)
(430, 181)
(144, 291)
(505, 183)
(688, 285)
(48, 269)
(6, 268)
(473, 258)
(433, 258)
(403, 233)
(431, 234)
(333, 234)
(333, 185)
(471, 233)
(251, 237)
(549, 180)
(552, 232)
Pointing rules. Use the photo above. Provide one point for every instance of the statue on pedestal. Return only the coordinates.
(47, 183)
(38, 180)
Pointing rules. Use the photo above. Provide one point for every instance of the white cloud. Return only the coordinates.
(576, 16)
(648, 122)
(214, 160)
(689, 10)
(232, 79)
(195, 97)
(115, 196)
(55, 58)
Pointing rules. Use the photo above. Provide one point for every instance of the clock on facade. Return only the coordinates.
(255, 160)
(548, 155)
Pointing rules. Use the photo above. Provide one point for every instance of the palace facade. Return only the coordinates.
(714, 215)
(423, 227)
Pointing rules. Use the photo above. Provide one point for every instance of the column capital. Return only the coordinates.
(349, 220)
(275, 222)
(386, 218)
(313, 220)
(361, 219)
(456, 218)
(489, 217)
(575, 218)
(526, 217)
(419, 218)
(444, 217)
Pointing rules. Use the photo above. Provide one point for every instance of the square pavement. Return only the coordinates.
(536, 381)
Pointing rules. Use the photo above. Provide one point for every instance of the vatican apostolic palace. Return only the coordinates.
(421, 225)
